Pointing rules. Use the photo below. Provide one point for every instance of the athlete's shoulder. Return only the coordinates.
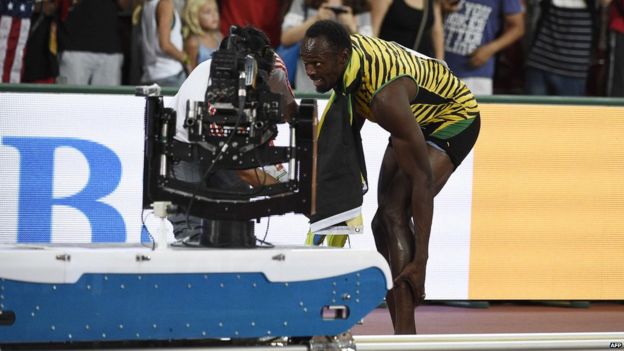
(356, 36)
(361, 38)
(368, 45)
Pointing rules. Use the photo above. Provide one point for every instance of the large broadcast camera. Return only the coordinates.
(231, 129)
(235, 98)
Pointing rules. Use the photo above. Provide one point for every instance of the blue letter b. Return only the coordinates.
(37, 179)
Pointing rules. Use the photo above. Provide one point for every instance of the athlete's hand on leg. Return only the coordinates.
(414, 276)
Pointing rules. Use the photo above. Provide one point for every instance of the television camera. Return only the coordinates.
(231, 129)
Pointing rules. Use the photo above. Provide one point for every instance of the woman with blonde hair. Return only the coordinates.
(201, 30)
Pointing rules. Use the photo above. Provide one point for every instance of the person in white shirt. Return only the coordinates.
(193, 89)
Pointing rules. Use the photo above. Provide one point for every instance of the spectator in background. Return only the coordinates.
(40, 58)
(14, 27)
(355, 15)
(164, 61)
(415, 24)
(89, 44)
(179, 5)
(475, 31)
(265, 15)
(201, 27)
(560, 54)
(616, 60)
(128, 44)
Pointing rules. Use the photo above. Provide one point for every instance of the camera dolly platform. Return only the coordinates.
(105, 292)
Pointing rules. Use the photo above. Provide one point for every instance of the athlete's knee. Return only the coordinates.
(380, 235)
(377, 225)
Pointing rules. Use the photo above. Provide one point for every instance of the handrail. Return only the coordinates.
(439, 342)
(168, 91)
(76, 89)
(478, 342)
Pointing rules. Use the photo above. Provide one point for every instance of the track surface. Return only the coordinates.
(502, 317)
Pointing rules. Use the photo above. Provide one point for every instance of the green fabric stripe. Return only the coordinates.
(390, 81)
(453, 129)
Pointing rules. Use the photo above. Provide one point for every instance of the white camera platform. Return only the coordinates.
(107, 292)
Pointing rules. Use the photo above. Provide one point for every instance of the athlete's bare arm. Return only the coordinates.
(391, 109)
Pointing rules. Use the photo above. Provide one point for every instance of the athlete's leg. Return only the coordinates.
(393, 235)
(444, 161)
(394, 239)
(386, 173)
(441, 166)
(380, 236)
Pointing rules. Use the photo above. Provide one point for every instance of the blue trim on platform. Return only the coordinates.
(118, 307)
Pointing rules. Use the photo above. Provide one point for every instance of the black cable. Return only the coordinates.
(266, 232)
(267, 245)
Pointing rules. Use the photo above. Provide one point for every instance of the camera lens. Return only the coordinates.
(189, 122)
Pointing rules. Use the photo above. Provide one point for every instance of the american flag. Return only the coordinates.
(14, 28)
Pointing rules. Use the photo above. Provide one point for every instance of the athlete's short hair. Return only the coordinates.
(335, 33)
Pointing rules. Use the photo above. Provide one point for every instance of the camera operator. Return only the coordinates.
(194, 88)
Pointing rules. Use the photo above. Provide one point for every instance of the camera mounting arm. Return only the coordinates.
(295, 195)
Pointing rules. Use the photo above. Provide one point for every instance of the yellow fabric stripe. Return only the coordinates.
(383, 62)
(329, 103)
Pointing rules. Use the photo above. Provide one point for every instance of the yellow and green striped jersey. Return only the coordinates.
(443, 101)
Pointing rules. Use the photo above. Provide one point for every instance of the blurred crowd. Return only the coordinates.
(533, 47)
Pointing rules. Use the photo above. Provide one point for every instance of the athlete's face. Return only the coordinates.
(322, 63)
